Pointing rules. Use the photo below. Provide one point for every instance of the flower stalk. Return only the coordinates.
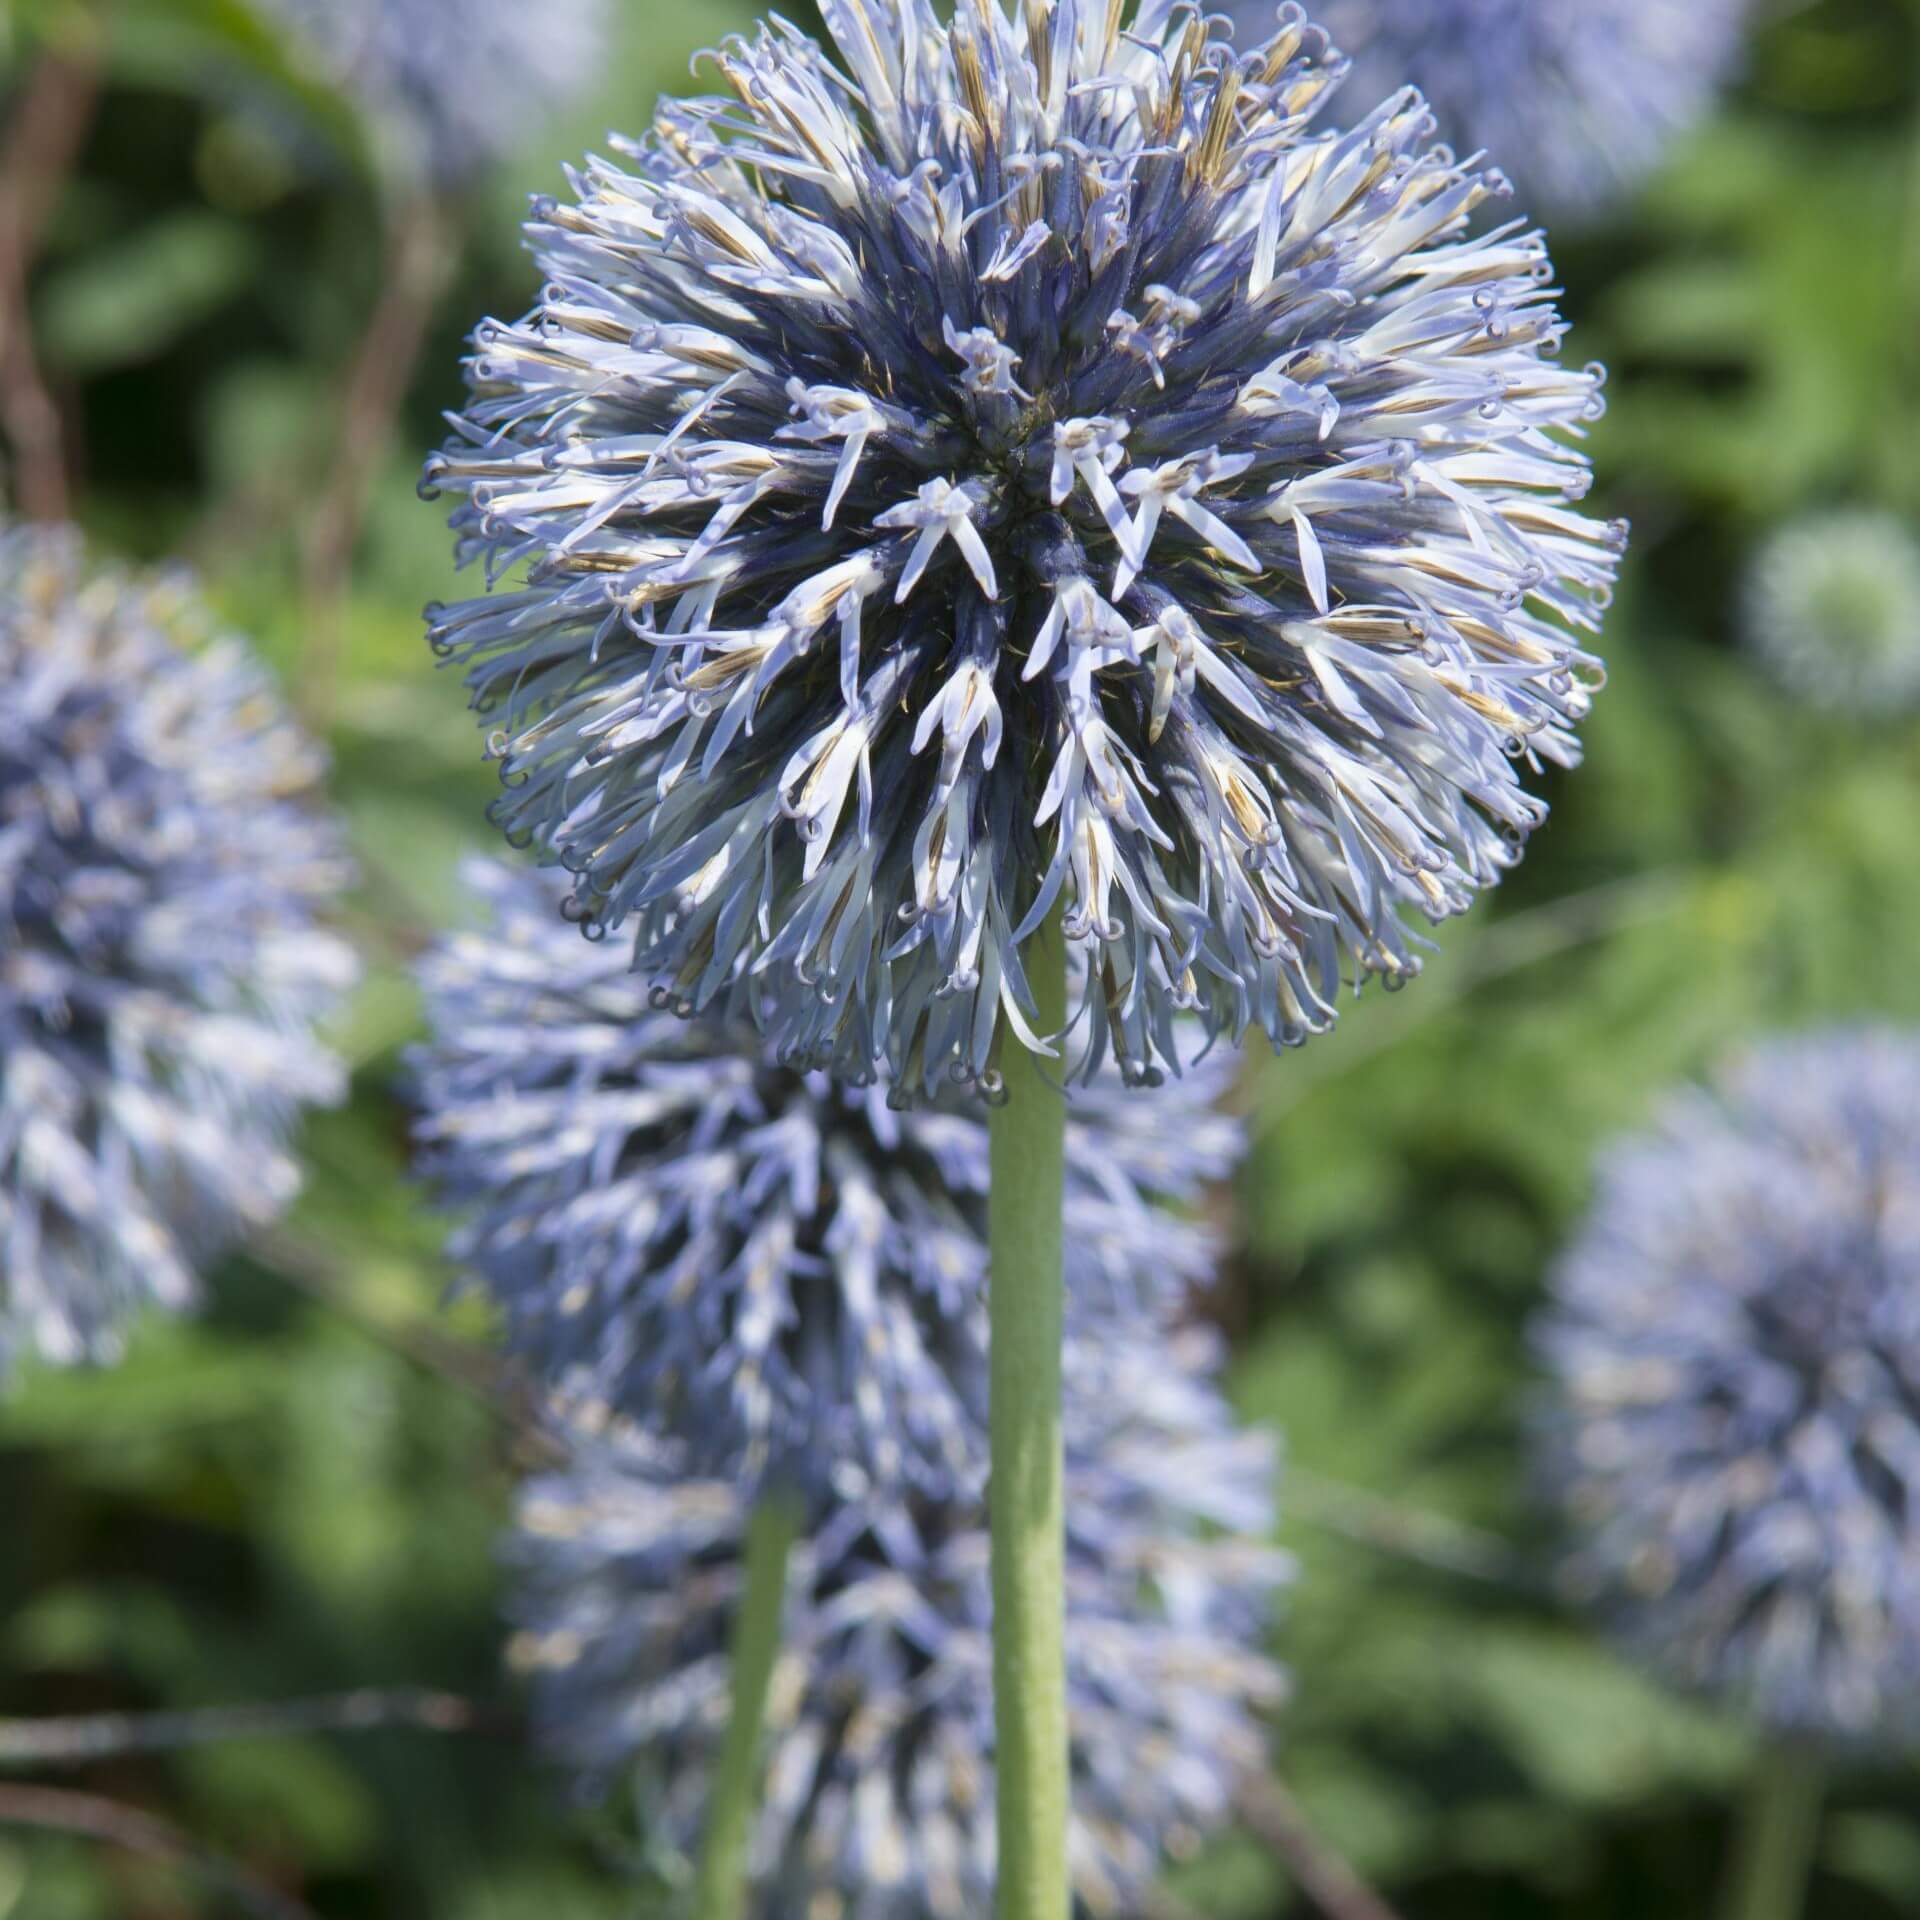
(51, 118)
(1028, 1514)
(418, 259)
(1780, 1832)
(721, 1887)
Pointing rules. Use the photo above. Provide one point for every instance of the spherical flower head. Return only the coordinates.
(1578, 99)
(787, 1269)
(1016, 466)
(1734, 1428)
(879, 1780)
(1833, 608)
(162, 866)
(453, 84)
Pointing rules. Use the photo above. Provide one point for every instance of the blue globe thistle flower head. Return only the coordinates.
(787, 1270)
(1018, 464)
(452, 85)
(1832, 606)
(879, 1793)
(1577, 99)
(1734, 1423)
(163, 867)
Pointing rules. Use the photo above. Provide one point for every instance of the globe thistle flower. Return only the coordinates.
(162, 864)
(787, 1268)
(1734, 1428)
(1025, 466)
(879, 1795)
(1577, 102)
(1833, 608)
(457, 83)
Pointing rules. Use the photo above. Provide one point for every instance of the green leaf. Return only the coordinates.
(170, 42)
(1590, 1729)
(1876, 1850)
(289, 1796)
(128, 302)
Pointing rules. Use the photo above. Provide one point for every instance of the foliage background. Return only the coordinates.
(300, 1491)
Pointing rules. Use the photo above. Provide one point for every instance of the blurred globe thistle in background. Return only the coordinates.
(879, 1783)
(1833, 608)
(788, 1270)
(453, 84)
(1026, 465)
(163, 862)
(1577, 99)
(1734, 1427)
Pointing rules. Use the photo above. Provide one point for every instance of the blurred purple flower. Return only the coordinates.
(879, 1788)
(162, 866)
(1833, 607)
(1576, 99)
(454, 83)
(787, 1270)
(1734, 1430)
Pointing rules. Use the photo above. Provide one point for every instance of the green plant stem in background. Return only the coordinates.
(1028, 1178)
(50, 116)
(722, 1882)
(418, 258)
(1778, 1835)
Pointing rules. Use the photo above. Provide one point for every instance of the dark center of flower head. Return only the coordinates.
(1023, 467)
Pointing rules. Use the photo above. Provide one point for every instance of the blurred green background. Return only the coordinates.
(300, 1490)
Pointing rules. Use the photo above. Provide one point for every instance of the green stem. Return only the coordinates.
(1778, 1836)
(771, 1530)
(1026, 1295)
